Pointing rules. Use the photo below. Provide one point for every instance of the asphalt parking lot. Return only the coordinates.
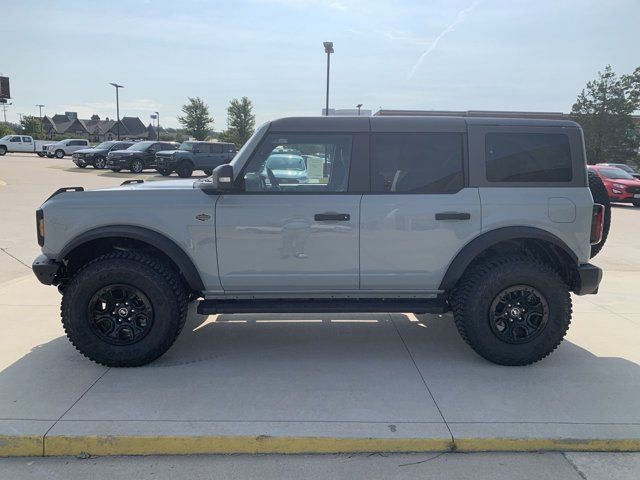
(296, 383)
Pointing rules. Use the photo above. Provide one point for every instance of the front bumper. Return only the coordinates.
(45, 269)
(166, 163)
(118, 163)
(588, 279)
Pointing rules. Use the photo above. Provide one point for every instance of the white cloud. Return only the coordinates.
(339, 6)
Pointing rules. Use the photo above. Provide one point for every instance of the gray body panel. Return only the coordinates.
(270, 245)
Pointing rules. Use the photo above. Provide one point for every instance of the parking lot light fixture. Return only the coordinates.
(158, 121)
(328, 48)
(117, 87)
(359, 106)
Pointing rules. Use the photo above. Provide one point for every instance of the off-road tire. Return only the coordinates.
(152, 276)
(636, 203)
(3, 151)
(137, 166)
(116, 170)
(164, 172)
(472, 298)
(600, 195)
(59, 154)
(99, 163)
(208, 172)
(184, 169)
(40, 154)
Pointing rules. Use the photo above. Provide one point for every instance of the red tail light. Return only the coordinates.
(597, 223)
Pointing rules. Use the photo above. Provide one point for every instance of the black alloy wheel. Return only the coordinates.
(120, 314)
(518, 314)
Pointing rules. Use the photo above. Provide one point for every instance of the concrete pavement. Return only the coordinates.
(313, 383)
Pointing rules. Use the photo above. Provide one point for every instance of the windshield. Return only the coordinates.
(240, 158)
(285, 162)
(140, 147)
(188, 146)
(6, 137)
(615, 173)
(104, 145)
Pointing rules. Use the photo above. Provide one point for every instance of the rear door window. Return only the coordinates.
(417, 163)
(527, 157)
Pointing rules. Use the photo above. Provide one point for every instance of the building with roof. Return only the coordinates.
(96, 129)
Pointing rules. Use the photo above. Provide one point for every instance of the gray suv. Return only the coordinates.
(491, 219)
(192, 156)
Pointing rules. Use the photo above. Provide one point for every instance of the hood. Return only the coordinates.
(89, 150)
(186, 184)
(123, 152)
(289, 173)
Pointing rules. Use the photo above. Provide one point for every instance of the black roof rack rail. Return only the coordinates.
(65, 189)
(132, 181)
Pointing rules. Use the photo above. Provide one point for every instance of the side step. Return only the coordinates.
(324, 305)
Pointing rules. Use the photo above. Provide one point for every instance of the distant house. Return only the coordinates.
(96, 129)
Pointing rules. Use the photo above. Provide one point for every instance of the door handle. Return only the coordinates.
(335, 217)
(453, 216)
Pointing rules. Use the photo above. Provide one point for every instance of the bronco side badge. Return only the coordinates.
(203, 217)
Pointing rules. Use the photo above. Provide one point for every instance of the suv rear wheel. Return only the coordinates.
(136, 166)
(184, 170)
(3, 150)
(512, 310)
(124, 309)
(99, 163)
(164, 172)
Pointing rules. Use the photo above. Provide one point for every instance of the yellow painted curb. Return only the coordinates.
(187, 445)
(546, 444)
(21, 446)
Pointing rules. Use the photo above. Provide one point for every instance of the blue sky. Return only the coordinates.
(459, 54)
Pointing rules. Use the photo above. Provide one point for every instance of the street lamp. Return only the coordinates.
(117, 87)
(359, 106)
(158, 117)
(328, 48)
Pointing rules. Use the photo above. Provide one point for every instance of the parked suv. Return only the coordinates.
(66, 147)
(97, 156)
(192, 156)
(621, 186)
(138, 156)
(491, 219)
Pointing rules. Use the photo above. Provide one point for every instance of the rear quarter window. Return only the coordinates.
(527, 157)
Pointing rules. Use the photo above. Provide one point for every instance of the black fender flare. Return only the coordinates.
(479, 244)
(151, 237)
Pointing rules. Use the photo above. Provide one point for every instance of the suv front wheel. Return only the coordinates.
(124, 309)
(512, 310)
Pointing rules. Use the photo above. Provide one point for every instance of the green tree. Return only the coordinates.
(5, 129)
(631, 84)
(196, 120)
(241, 122)
(31, 125)
(604, 110)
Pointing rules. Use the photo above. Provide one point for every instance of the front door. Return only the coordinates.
(292, 226)
(419, 213)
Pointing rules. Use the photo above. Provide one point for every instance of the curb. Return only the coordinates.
(107, 445)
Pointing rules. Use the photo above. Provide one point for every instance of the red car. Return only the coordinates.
(621, 186)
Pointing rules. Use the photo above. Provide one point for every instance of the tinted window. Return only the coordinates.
(615, 173)
(299, 163)
(528, 157)
(216, 148)
(416, 163)
(26, 139)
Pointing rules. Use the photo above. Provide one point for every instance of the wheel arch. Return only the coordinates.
(533, 241)
(94, 242)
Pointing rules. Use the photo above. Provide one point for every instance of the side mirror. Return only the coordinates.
(221, 179)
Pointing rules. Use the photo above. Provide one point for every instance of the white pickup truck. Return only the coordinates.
(23, 143)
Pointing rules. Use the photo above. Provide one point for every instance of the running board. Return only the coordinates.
(324, 305)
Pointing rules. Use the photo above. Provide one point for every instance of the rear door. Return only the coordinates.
(27, 144)
(419, 213)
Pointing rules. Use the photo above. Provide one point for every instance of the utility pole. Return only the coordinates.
(39, 105)
(328, 48)
(158, 117)
(4, 110)
(117, 87)
(359, 106)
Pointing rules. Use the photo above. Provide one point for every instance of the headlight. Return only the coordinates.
(618, 185)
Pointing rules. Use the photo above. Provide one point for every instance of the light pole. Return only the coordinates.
(359, 106)
(39, 105)
(158, 117)
(328, 48)
(4, 110)
(117, 87)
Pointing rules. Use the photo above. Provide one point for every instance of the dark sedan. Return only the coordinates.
(138, 157)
